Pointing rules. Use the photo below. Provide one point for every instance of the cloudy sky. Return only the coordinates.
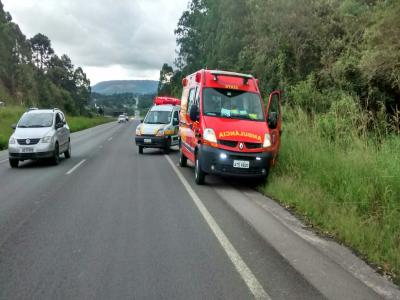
(110, 39)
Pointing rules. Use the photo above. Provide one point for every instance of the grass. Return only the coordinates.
(347, 188)
(11, 115)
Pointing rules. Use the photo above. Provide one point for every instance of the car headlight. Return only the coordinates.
(267, 140)
(138, 132)
(12, 141)
(47, 139)
(209, 135)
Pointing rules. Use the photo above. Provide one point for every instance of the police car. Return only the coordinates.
(159, 128)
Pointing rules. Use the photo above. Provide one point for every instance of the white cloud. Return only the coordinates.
(124, 39)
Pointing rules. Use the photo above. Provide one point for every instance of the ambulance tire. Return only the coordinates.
(182, 160)
(199, 174)
(167, 149)
(140, 149)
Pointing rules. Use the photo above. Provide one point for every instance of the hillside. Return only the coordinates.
(126, 86)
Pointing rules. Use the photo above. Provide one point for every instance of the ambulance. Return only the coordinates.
(225, 128)
(159, 129)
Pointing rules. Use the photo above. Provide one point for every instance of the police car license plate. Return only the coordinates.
(243, 164)
(27, 150)
(147, 141)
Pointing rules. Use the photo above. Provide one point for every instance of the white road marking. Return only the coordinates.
(109, 139)
(247, 275)
(75, 167)
(3, 161)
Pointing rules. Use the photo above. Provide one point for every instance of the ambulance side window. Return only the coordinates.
(273, 112)
(175, 120)
(191, 99)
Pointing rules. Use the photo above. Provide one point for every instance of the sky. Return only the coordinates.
(109, 39)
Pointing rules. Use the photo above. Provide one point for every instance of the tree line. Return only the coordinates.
(318, 51)
(31, 74)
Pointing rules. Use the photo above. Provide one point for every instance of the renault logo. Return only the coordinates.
(28, 141)
(241, 146)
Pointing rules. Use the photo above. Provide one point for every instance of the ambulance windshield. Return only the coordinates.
(233, 104)
(158, 117)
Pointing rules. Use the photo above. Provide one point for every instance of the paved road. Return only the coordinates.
(112, 224)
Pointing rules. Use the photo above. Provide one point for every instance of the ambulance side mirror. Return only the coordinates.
(194, 113)
(175, 122)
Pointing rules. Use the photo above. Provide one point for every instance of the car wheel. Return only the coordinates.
(182, 159)
(13, 163)
(167, 149)
(55, 160)
(67, 153)
(140, 149)
(198, 172)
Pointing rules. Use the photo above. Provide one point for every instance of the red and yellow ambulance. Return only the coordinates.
(225, 128)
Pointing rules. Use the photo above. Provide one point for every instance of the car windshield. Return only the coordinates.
(36, 120)
(158, 117)
(233, 104)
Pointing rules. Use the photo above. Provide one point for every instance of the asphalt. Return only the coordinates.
(112, 224)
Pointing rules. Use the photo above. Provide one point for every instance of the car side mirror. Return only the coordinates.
(273, 120)
(13, 126)
(141, 120)
(194, 113)
(59, 125)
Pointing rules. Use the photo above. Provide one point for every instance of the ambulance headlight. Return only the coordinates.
(138, 132)
(160, 132)
(209, 135)
(267, 140)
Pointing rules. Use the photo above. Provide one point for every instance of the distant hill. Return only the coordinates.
(126, 86)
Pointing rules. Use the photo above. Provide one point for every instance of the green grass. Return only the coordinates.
(80, 123)
(347, 188)
(8, 116)
(11, 115)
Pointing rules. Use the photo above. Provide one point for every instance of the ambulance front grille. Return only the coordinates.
(232, 144)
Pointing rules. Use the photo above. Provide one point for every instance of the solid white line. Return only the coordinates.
(249, 278)
(3, 161)
(76, 167)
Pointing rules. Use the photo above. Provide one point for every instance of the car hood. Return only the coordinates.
(237, 130)
(151, 129)
(31, 133)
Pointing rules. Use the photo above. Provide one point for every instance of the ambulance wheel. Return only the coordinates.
(182, 160)
(140, 149)
(199, 175)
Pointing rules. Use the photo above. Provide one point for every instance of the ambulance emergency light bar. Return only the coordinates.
(245, 77)
(166, 100)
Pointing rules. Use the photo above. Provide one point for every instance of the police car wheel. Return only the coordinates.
(13, 163)
(198, 173)
(140, 150)
(182, 160)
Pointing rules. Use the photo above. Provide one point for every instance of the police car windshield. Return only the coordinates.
(232, 104)
(36, 120)
(158, 117)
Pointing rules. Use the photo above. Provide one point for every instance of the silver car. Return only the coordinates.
(40, 134)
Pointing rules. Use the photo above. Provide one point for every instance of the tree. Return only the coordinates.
(42, 51)
(164, 84)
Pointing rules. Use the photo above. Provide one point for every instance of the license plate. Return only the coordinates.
(27, 150)
(147, 141)
(243, 164)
